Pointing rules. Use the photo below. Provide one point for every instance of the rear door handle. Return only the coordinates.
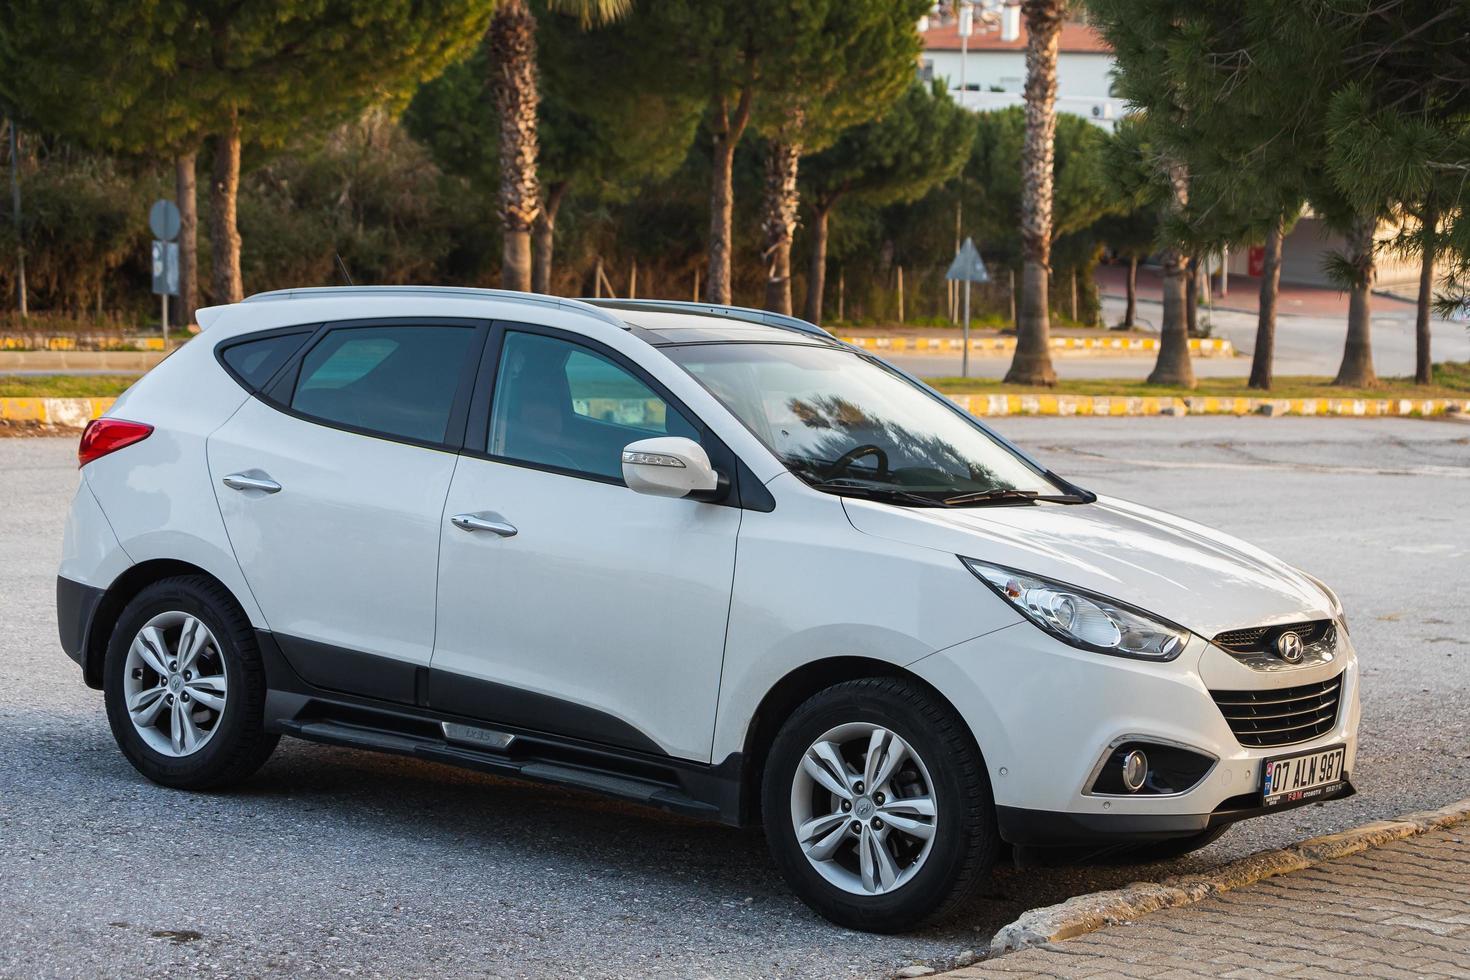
(477, 522)
(251, 481)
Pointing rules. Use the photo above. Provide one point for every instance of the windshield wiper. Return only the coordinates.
(1007, 495)
(889, 494)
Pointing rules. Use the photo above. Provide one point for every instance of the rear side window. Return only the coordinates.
(399, 381)
(256, 361)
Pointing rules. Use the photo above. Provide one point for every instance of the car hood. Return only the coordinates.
(1197, 577)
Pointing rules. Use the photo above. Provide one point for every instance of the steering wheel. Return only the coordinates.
(853, 455)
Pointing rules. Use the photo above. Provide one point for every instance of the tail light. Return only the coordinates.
(103, 436)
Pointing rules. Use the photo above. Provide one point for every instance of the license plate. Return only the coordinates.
(1292, 779)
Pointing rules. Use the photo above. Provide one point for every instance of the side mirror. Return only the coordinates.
(669, 466)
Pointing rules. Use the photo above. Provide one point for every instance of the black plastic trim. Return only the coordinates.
(501, 704)
(76, 605)
(334, 668)
(294, 706)
(1049, 828)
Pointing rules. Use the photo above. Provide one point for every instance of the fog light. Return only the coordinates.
(1135, 770)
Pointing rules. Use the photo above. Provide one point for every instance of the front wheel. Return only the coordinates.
(877, 806)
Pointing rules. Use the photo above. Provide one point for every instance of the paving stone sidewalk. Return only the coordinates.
(1399, 910)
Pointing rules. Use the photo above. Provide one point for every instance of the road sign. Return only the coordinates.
(163, 218)
(967, 265)
(166, 268)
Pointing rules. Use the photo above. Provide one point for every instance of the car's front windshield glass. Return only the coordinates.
(845, 423)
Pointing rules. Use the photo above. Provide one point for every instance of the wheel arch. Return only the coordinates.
(790, 692)
(115, 599)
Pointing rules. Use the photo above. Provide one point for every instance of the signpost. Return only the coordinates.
(967, 267)
(163, 219)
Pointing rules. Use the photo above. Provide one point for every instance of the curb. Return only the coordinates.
(991, 405)
(76, 412)
(78, 342)
(1001, 346)
(73, 413)
(1089, 913)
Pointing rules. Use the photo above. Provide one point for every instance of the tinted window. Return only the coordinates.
(560, 404)
(256, 361)
(400, 381)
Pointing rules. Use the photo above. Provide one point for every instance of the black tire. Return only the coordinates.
(965, 842)
(1176, 847)
(239, 744)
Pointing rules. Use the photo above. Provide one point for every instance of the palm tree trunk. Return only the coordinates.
(187, 192)
(1173, 366)
(1423, 362)
(1191, 296)
(224, 234)
(545, 239)
(1266, 316)
(1357, 354)
(1130, 311)
(512, 43)
(782, 199)
(816, 280)
(1032, 362)
(728, 130)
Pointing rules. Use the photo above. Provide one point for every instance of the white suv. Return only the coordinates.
(703, 558)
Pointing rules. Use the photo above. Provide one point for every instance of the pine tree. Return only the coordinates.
(922, 141)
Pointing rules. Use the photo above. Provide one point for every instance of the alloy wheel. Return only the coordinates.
(174, 684)
(863, 808)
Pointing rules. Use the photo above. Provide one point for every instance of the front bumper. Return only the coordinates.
(1043, 713)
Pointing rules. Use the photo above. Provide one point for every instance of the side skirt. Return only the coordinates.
(298, 708)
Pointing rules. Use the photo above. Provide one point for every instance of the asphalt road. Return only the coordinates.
(333, 862)
(1305, 344)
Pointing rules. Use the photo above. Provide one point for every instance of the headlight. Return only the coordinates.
(1083, 619)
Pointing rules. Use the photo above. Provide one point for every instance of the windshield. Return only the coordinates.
(845, 423)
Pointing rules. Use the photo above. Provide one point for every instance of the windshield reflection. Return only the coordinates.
(845, 423)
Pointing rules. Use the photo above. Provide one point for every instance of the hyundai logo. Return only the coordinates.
(1290, 647)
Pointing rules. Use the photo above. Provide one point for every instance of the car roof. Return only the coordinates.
(665, 328)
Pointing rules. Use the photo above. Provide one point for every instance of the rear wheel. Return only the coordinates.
(184, 686)
(877, 806)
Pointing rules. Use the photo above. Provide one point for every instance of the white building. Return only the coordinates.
(992, 73)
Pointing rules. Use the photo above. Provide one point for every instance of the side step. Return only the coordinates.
(621, 786)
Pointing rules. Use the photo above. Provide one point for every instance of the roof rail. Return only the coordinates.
(464, 292)
(742, 313)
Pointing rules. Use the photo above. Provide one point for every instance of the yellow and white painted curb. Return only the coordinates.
(1004, 346)
(79, 342)
(991, 405)
(72, 413)
(76, 412)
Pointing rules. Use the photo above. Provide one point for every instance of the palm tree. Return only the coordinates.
(512, 44)
(1032, 362)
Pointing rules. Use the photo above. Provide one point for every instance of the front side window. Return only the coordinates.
(845, 424)
(564, 405)
(399, 381)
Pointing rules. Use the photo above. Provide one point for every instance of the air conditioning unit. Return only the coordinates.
(1102, 110)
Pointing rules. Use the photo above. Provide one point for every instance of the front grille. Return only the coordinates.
(1262, 639)
(1283, 716)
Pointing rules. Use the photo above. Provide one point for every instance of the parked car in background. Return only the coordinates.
(702, 558)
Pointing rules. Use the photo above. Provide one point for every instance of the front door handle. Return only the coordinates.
(251, 481)
(475, 522)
